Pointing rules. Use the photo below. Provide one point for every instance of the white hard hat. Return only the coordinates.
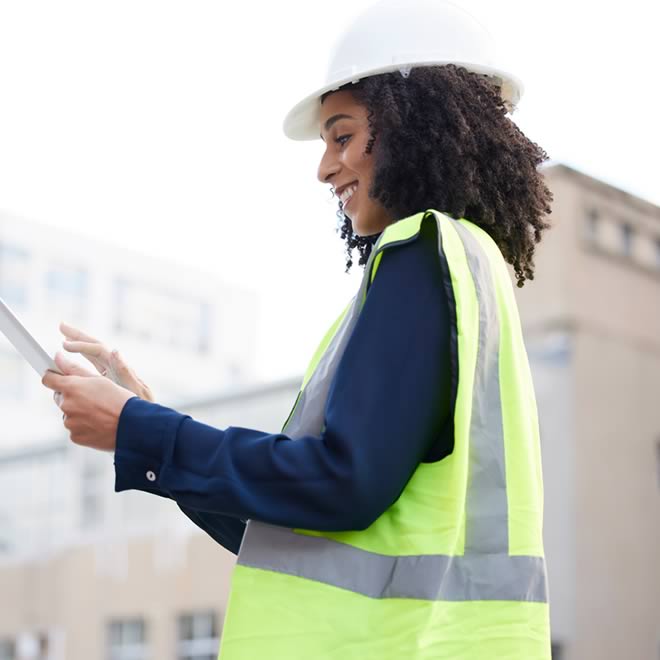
(398, 35)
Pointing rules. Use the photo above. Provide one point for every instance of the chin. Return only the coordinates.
(370, 223)
(355, 225)
(359, 228)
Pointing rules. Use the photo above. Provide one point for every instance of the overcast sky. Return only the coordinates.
(156, 124)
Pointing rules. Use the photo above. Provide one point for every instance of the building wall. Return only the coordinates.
(618, 511)
(74, 595)
(544, 305)
(601, 292)
(140, 558)
(551, 358)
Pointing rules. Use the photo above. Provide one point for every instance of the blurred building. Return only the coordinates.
(129, 577)
(118, 576)
(160, 314)
(591, 321)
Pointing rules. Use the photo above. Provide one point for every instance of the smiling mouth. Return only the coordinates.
(348, 195)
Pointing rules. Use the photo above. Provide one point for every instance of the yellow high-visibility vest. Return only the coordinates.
(454, 569)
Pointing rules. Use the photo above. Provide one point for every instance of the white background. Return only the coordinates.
(157, 125)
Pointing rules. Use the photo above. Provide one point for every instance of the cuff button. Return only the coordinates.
(151, 476)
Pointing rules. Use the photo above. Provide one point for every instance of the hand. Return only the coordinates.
(107, 363)
(91, 404)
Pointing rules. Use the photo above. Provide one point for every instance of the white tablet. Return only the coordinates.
(24, 342)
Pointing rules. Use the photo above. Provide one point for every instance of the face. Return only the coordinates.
(345, 166)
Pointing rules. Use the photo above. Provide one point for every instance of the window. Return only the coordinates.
(66, 290)
(43, 646)
(198, 636)
(127, 640)
(14, 272)
(7, 649)
(32, 645)
(591, 226)
(627, 236)
(36, 486)
(153, 314)
(6, 537)
(91, 492)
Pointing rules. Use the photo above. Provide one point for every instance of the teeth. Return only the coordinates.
(346, 194)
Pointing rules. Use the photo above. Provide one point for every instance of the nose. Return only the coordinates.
(328, 167)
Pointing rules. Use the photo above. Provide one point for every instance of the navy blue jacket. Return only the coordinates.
(388, 409)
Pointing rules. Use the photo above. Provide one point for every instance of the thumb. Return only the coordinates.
(128, 378)
(123, 372)
(70, 368)
(117, 362)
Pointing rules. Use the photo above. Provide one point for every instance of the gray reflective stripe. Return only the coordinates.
(486, 515)
(308, 415)
(423, 577)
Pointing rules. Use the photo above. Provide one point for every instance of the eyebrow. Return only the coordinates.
(334, 119)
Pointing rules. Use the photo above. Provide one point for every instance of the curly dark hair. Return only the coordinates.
(441, 140)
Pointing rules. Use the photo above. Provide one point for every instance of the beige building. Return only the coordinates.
(592, 326)
(134, 579)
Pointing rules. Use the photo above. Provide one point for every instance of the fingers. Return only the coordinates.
(97, 354)
(77, 335)
(122, 371)
(70, 368)
(88, 349)
(59, 402)
(55, 381)
(118, 364)
(128, 378)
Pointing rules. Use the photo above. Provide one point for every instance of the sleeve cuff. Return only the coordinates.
(146, 435)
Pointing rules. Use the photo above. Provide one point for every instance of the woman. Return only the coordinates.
(398, 514)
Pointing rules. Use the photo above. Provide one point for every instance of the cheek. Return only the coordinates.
(356, 159)
(362, 165)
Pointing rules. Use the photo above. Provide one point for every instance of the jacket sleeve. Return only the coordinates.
(225, 530)
(387, 407)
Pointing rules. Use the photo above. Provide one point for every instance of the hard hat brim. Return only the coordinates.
(302, 122)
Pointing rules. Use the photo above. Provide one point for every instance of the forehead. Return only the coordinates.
(342, 102)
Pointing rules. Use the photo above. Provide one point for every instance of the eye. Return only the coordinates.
(342, 139)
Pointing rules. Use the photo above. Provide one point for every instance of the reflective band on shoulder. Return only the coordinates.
(423, 577)
(486, 515)
(307, 416)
